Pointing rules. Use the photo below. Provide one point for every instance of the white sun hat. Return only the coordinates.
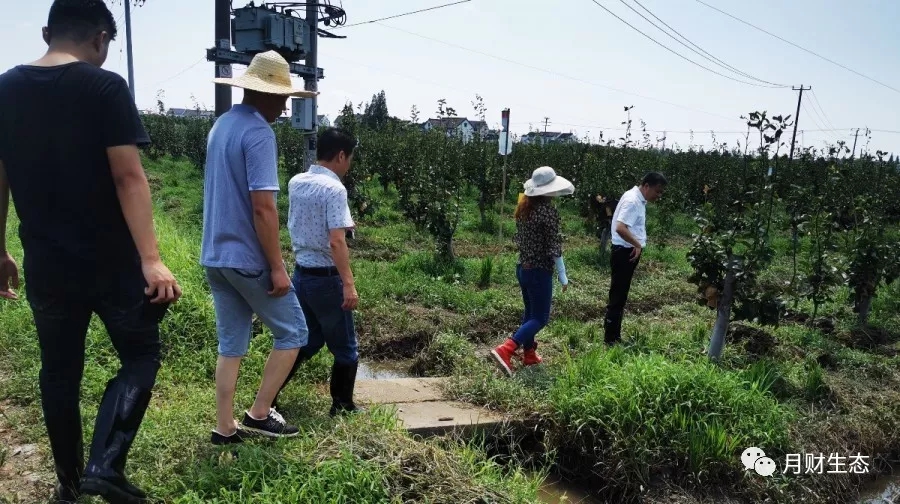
(545, 182)
(268, 73)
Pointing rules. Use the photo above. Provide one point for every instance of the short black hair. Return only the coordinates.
(79, 20)
(332, 142)
(654, 179)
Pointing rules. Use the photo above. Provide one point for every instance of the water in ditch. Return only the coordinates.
(387, 370)
(883, 490)
(555, 490)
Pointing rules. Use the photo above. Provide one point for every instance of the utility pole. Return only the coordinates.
(854, 144)
(128, 46)
(546, 121)
(797, 118)
(311, 83)
(223, 41)
(504, 121)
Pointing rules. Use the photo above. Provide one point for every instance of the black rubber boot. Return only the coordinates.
(118, 420)
(66, 494)
(70, 468)
(343, 381)
(62, 417)
(301, 358)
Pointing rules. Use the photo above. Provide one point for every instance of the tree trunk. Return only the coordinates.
(865, 306)
(482, 208)
(794, 242)
(445, 249)
(723, 318)
(604, 241)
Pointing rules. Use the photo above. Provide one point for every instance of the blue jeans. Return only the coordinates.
(237, 295)
(537, 292)
(321, 298)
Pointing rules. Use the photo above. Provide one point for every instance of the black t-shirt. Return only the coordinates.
(55, 126)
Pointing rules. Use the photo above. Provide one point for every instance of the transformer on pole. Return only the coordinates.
(274, 26)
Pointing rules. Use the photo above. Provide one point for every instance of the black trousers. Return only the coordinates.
(62, 313)
(622, 272)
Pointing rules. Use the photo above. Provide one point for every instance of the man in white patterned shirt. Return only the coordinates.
(318, 220)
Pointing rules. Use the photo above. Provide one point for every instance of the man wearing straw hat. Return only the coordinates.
(241, 249)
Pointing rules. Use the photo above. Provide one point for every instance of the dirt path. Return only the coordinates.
(25, 469)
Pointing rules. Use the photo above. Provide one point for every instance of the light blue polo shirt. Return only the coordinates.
(242, 156)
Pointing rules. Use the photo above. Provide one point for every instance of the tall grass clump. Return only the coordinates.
(629, 418)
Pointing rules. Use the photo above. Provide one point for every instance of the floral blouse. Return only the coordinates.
(538, 238)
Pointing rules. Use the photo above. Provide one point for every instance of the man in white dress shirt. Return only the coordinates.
(629, 237)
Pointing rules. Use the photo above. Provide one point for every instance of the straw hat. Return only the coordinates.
(268, 73)
(545, 182)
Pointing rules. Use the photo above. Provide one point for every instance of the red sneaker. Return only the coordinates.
(531, 357)
(503, 355)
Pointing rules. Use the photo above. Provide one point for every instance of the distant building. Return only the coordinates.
(324, 122)
(548, 137)
(462, 127)
(191, 113)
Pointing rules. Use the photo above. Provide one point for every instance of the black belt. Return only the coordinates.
(322, 272)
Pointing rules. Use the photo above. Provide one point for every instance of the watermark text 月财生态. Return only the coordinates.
(755, 459)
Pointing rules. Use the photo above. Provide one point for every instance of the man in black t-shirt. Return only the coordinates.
(69, 137)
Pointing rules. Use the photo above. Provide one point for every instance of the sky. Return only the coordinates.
(569, 61)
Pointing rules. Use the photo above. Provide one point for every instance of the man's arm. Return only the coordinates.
(9, 272)
(4, 207)
(134, 196)
(338, 220)
(627, 235)
(337, 239)
(133, 192)
(261, 160)
(628, 217)
(121, 133)
(265, 219)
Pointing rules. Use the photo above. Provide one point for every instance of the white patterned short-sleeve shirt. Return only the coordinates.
(318, 204)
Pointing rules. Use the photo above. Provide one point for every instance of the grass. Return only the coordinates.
(365, 459)
(648, 415)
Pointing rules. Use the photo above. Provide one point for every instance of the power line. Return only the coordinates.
(405, 14)
(705, 54)
(201, 60)
(828, 122)
(672, 50)
(708, 130)
(557, 74)
(444, 85)
(800, 47)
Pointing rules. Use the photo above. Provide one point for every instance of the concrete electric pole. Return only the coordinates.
(797, 118)
(311, 82)
(223, 41)
(128, 46)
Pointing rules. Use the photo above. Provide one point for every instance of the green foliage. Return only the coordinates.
(635, 416)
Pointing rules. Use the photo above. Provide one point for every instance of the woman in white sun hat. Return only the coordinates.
(540, 249)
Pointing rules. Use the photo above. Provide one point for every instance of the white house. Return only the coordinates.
(453, 126)
(463, 127)
(547, 137)
(192, 113)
